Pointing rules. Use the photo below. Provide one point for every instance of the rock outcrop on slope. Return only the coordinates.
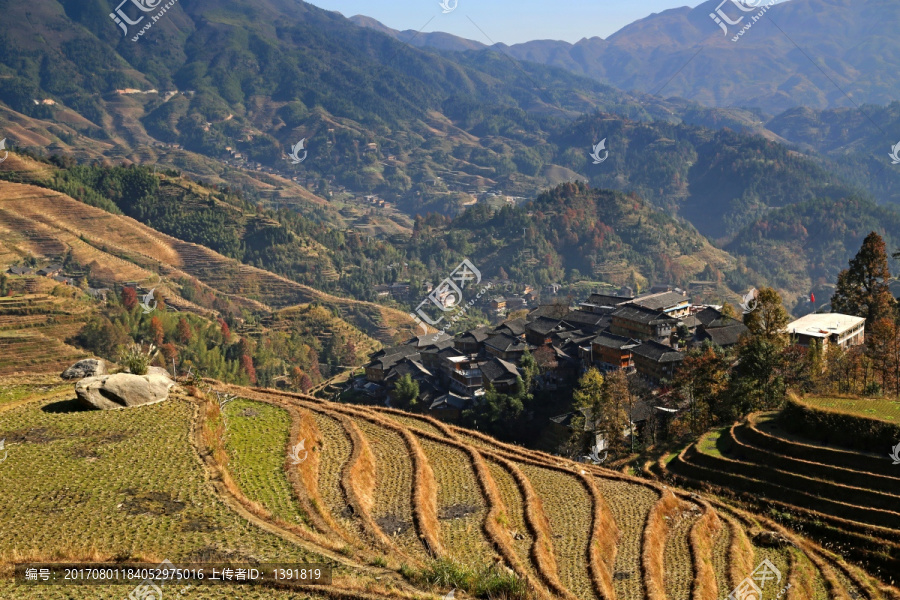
(88, 367)
(123, 390)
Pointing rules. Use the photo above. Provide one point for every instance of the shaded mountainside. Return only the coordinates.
(845, 38)
(574, 232)
(422, 128)
(803, 247)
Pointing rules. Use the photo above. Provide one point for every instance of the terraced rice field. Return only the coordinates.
(383, 497)
(848, 499)
(43, 223)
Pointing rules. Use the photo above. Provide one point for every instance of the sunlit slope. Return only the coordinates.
(39, 222)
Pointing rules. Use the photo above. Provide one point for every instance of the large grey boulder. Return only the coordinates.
(123, 390)
(158, 371)
(88, 367)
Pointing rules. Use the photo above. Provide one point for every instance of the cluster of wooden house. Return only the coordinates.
(645, 334)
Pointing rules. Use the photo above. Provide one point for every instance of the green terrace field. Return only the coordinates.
(885, 409)
(845, 497)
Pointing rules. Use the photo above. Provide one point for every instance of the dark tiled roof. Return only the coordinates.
(435, 348)
(499, 370)
(408, 366)
(640, 411)
(387, 361)
(611, 340)
(566, 420)
(640, 314)
(430, 339)
(553, 311)
(707, 315)
(450, 401)
(724, 322)
(658, 352)
(506, 343)
(580, 318)
(476, 335)
(516, 327)
(607, 300)
(724, 336)
(543, 325)
(660, 301)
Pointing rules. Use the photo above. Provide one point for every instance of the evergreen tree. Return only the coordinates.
(769, 319)
(406, 392)
(862, 289)
(700, 381)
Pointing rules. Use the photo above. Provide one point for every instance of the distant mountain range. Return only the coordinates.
(800, 53)
(220, 89)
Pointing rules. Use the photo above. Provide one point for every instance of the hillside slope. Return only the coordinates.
(45, 224)
(844, 38)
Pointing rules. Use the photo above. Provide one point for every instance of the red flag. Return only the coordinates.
(812, 298)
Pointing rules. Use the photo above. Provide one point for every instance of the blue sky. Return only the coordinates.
(509, 21)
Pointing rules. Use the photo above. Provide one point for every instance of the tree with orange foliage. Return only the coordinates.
(157, 333)
(882, 349)
(248, 368)
(129, 298)
(183, 331)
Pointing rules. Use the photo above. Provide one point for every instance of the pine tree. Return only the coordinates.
(862, 289)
